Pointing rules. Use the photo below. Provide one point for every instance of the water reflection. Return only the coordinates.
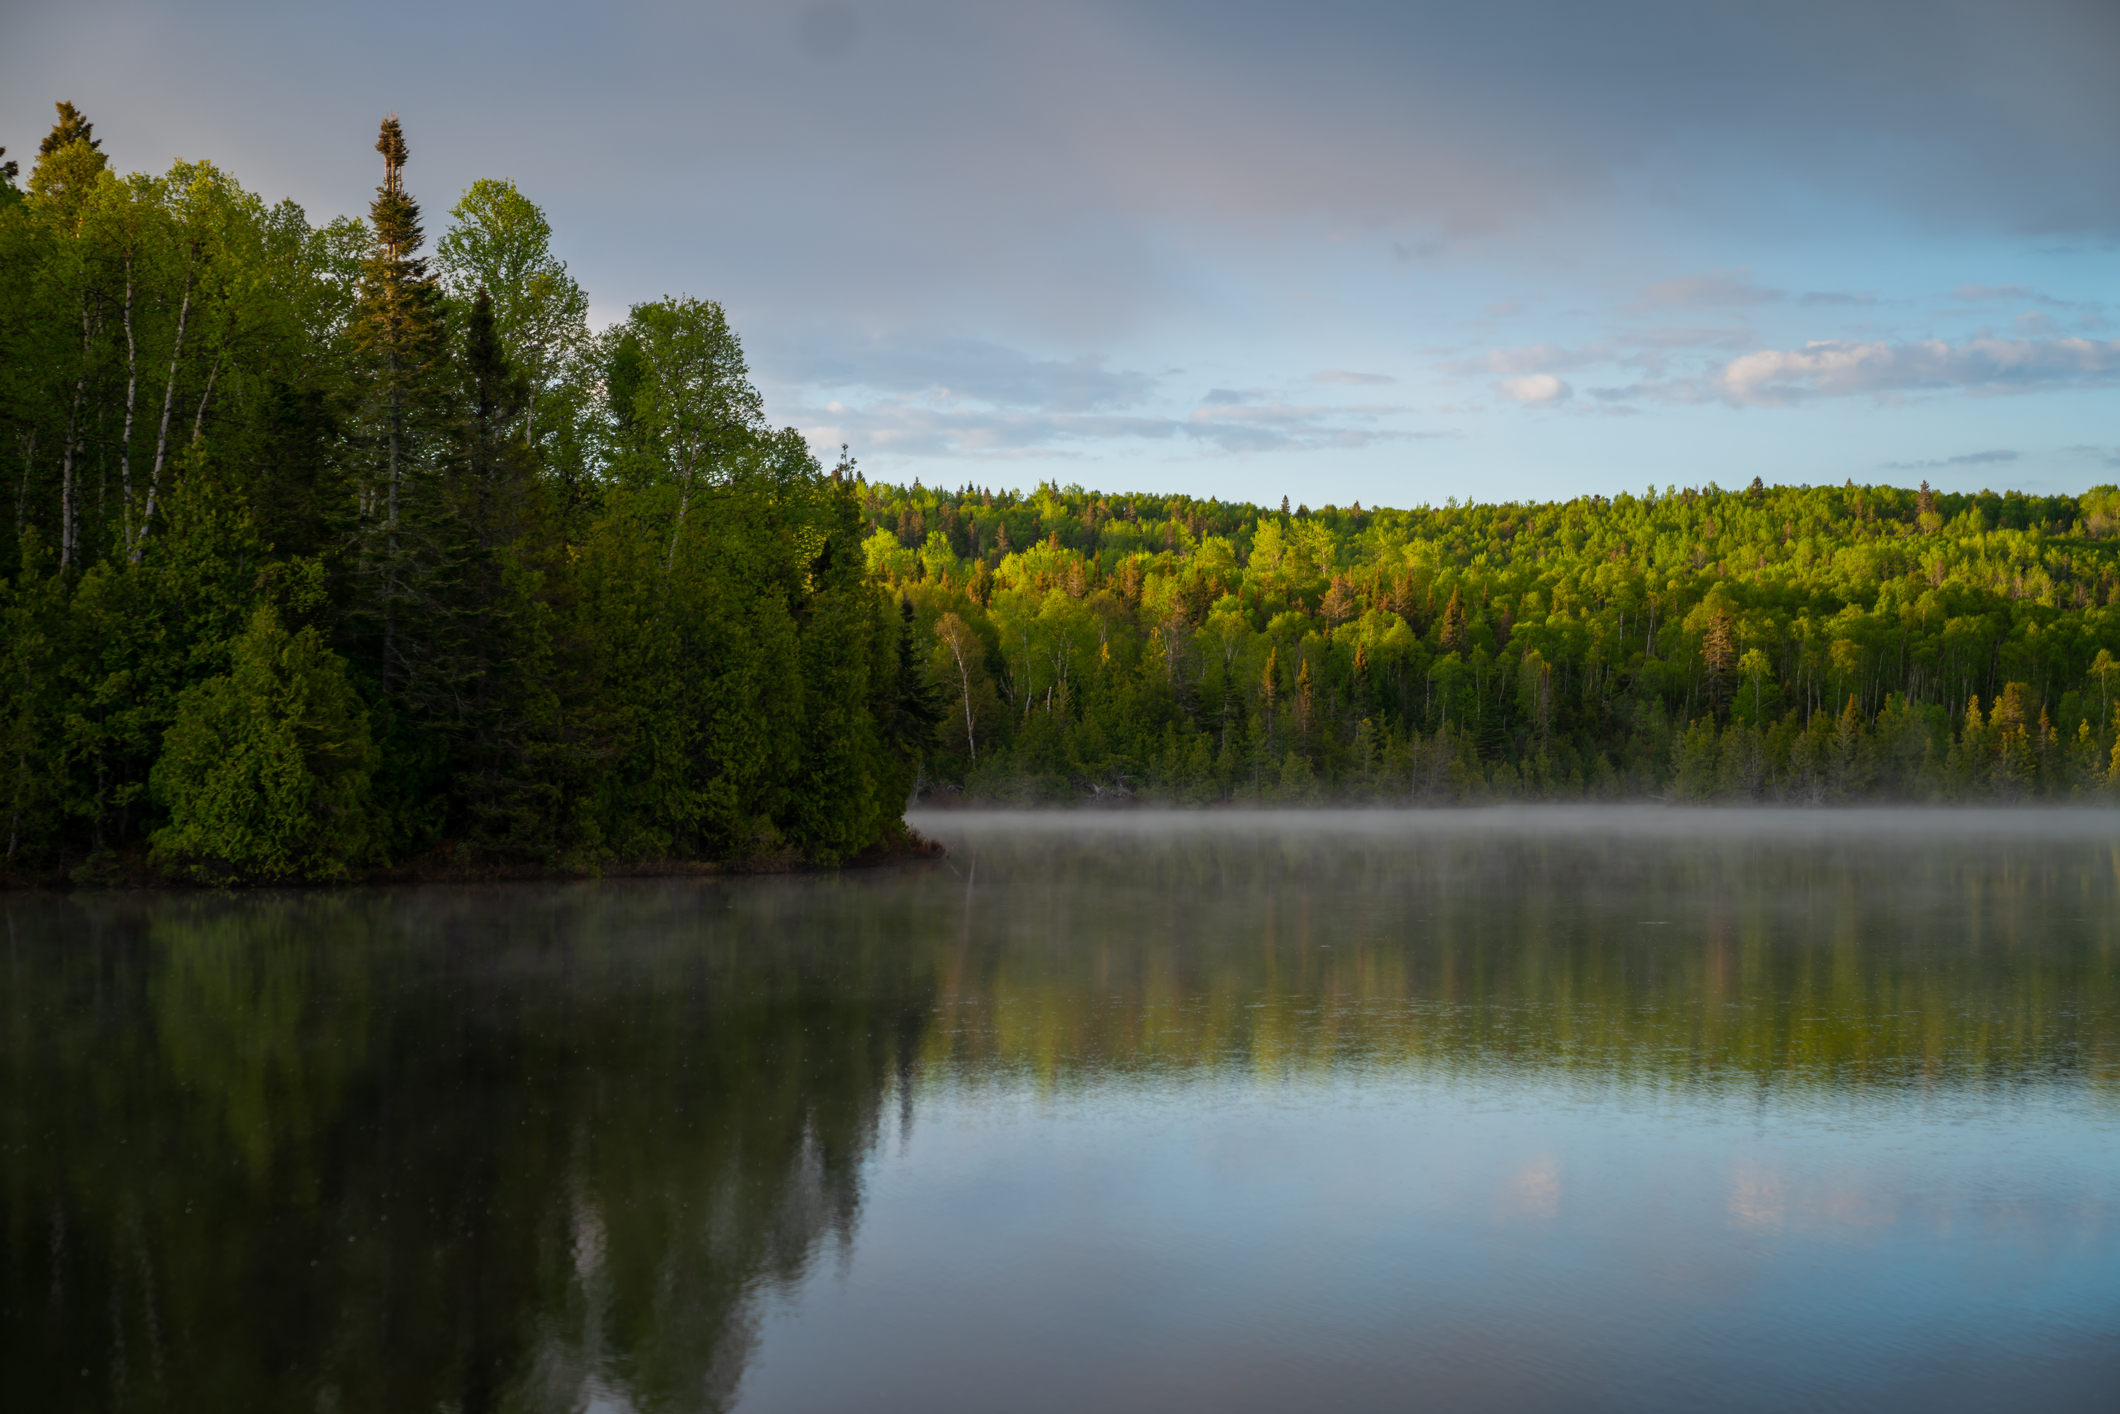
(1713, 955)
(436, 1147)
(1086, 1115)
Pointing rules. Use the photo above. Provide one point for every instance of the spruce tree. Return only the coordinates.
(71, 128)
(1454, 626)
(1718, 649)
(917, 709)
(494, 693)
(398, 330)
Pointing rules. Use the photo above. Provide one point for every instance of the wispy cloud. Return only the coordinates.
(1776, 377)
(903, 428)
(1690, 336)
(1225, 421)
(1535, 388)
(1528, 358)
(963, 370)
(2006, 294)
(963, 398)
(1984, 364)
(1988, 458)
(1726, 289)
(1711, 289)
(1279, 426)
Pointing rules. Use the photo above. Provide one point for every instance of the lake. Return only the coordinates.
(1559, 1109)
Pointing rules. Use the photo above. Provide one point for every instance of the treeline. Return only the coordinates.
(1785, 643)
(321, 555)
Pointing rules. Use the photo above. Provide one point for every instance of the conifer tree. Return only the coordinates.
(265, 772)
(488, 685)
(71, 128)
(1270, 693)
(918, 706)
(398, 329)
(1718, 649)
(1454, 628)
(1306, 703)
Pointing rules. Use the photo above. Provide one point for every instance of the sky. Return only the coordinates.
(1390, 253)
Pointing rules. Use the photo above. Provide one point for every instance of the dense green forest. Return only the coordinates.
(324, 554)
(1799, 644)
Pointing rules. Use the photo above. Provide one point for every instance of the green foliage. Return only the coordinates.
(1780, 643)
(266, 480)
(265, 772)
(318, 559)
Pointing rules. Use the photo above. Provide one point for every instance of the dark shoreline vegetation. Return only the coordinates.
(326, 562)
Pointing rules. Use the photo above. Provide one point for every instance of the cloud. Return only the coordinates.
(1024, 180)
(1341, 375)
(2006, 294)
(1029, 157)
(1711, 290)
(902, 428)
(1986, 363)
(1987, 458)
(1776, 377)
(896, 428)
(1527, 358)
(1690, 336)
(1289, 427)
(1723, 289)
(955, 370)
(1535, 388)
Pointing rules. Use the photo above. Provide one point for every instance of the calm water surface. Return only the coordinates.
(1469, 1111)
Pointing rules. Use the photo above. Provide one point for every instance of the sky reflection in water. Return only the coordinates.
(1628, 1110)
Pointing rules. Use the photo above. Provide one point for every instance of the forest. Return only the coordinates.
(328, 554)
(332, 553)
(1795, 644)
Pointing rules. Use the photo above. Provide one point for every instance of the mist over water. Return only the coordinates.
(1551, 1109)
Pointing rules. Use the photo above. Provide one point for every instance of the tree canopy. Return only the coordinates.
(323, 555)
(1787, 643)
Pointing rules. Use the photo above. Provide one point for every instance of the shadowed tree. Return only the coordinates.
(1718, 649)
(73, 126)
(398, 331)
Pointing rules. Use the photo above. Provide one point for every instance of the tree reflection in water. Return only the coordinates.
(533, 1147)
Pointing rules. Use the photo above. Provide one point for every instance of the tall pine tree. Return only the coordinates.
(399, 333)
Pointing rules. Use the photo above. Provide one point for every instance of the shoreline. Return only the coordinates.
(133, 873)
